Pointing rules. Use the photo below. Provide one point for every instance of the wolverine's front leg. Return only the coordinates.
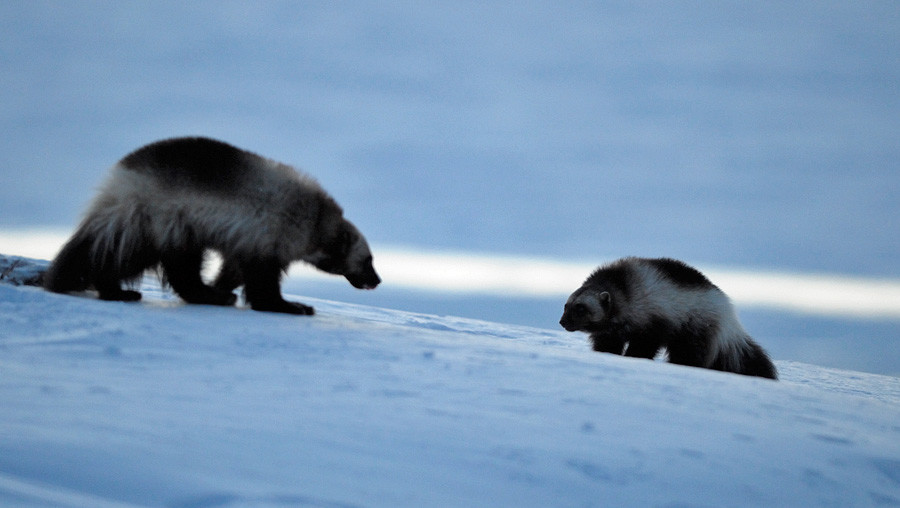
(608, 343)
(262, 288)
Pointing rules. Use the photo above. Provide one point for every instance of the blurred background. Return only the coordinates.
(759, 136)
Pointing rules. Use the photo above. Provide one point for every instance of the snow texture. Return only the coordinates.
(160, 403)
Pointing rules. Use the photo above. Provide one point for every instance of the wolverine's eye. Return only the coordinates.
(579, 309)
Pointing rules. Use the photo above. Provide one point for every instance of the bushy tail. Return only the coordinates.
(70, 270)
(744, 356)
(756, 362)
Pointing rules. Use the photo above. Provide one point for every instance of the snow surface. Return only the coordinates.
(166, 404)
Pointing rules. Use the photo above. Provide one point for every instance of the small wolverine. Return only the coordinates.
(636, 306)
(169, 202)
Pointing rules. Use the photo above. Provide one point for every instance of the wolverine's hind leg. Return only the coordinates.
(181, 270)
(70, 270)
(112, 290)
(107, 280)
(262, 288)
(78, 267)
(107, 277)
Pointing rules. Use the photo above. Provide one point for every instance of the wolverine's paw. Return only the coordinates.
(284, 307)
(119, 295)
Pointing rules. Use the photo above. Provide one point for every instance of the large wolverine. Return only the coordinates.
(169, 202)
(636, 306)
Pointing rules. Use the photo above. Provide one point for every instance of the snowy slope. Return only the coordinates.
(166, 404)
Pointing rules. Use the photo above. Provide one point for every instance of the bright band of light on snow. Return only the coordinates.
(520, 276)
(533, 277)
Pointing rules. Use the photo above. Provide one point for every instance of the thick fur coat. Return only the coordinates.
(168, 203)
(637, 306)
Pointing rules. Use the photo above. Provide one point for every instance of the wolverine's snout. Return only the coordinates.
(566, 322)
(368, 280)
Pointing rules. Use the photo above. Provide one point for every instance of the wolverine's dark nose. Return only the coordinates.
(368, 280)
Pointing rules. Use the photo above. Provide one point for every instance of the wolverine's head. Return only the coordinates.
(347, 253)
(586, 310)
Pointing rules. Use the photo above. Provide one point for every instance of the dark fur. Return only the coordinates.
(213, 165)
(615, 291)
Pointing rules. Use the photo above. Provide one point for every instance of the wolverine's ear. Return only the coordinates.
(605, 301)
